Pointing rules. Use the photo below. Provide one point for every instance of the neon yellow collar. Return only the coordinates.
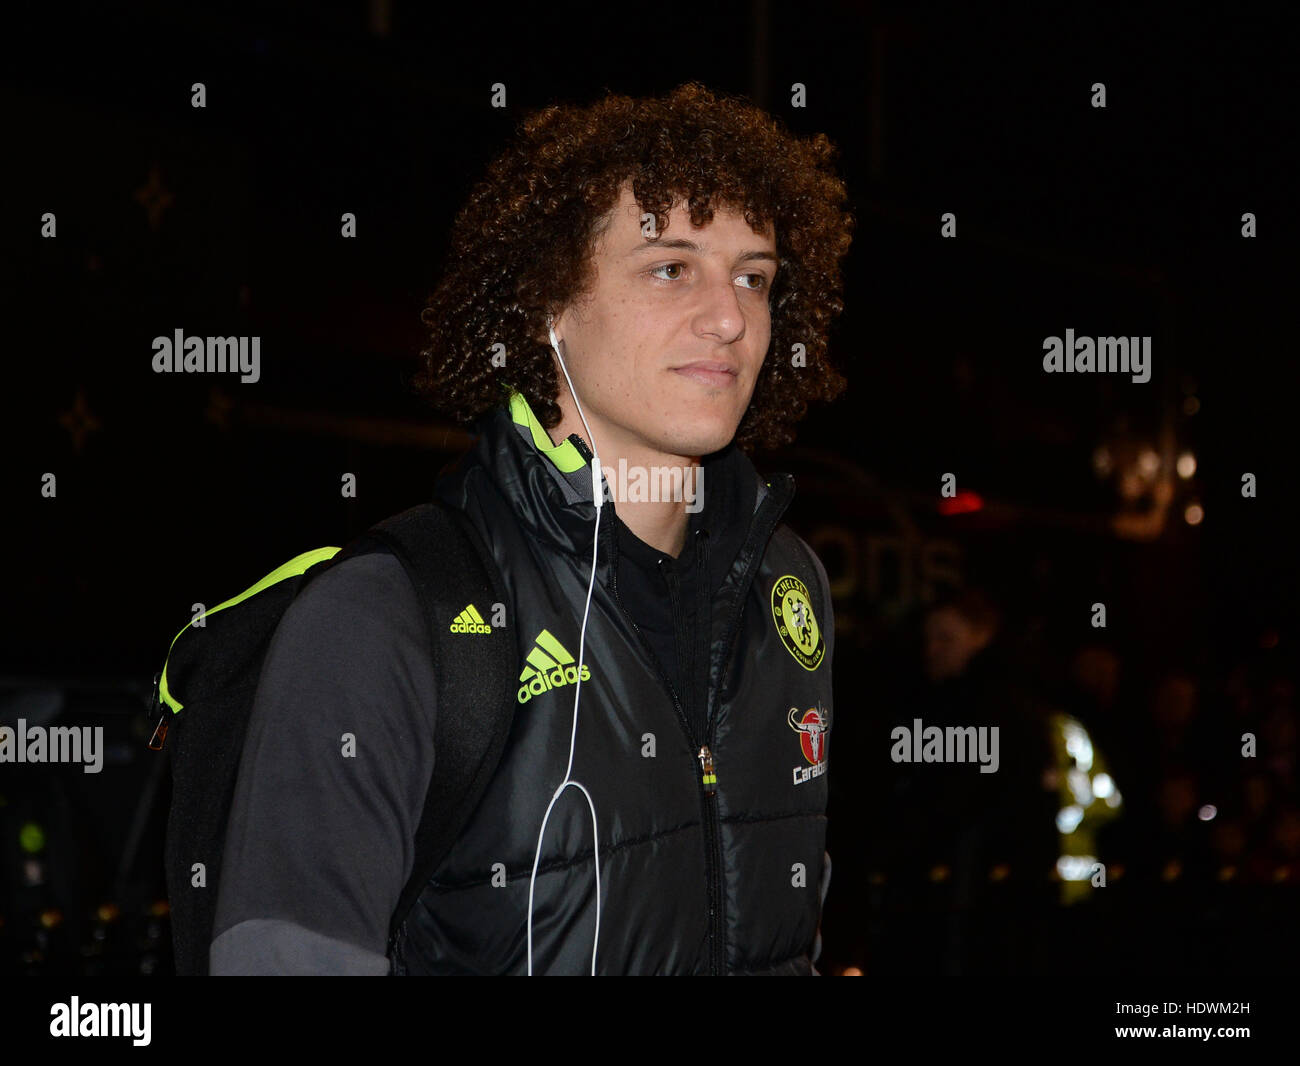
(565, 456)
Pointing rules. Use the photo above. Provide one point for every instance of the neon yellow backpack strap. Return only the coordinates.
(295, 566)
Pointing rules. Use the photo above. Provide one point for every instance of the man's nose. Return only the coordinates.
(720, 313)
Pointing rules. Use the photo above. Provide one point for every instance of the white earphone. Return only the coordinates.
(598, 497)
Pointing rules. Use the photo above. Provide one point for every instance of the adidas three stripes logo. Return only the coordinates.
(469, 621)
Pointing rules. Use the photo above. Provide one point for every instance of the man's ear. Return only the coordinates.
(543, 336)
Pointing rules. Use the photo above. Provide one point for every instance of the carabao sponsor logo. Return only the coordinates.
(813, 727)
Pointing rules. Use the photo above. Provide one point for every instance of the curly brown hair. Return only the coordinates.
(522, 245)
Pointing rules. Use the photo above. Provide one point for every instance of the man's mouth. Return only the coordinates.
(716, 374)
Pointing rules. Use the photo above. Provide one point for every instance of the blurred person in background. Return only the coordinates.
(982, 842)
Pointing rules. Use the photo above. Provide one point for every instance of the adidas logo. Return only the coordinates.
(549, 665)
(469, 621)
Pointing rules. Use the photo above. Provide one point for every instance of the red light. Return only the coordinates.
(962, 503)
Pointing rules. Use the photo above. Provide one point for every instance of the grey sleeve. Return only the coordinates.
(321, 834)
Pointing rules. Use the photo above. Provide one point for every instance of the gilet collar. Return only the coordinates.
(547, 486)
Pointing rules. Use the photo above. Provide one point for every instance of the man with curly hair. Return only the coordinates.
(640, 289)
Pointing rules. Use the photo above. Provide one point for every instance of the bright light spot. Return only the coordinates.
(1186, 465)
(1194, 514)
(31, 838)
(1068, 818)
(1114, 799)
(1207, 812)
(1148, 462)
(1102, 786)
(1075, 867)
(1078, 744)
(1080, 786)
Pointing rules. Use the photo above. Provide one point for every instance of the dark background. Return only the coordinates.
(1124, 220)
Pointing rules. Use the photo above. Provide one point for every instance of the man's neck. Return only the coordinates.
(660, 523)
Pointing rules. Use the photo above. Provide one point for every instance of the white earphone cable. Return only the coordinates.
(598, 495)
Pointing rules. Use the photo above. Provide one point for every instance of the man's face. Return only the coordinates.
(665, 352)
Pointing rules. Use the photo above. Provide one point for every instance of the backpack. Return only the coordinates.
(204, 698)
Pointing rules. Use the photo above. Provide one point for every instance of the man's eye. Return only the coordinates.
(761, 282)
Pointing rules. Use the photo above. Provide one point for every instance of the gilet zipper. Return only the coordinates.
(703, 751)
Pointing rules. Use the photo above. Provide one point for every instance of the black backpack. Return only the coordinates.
(204, 697)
